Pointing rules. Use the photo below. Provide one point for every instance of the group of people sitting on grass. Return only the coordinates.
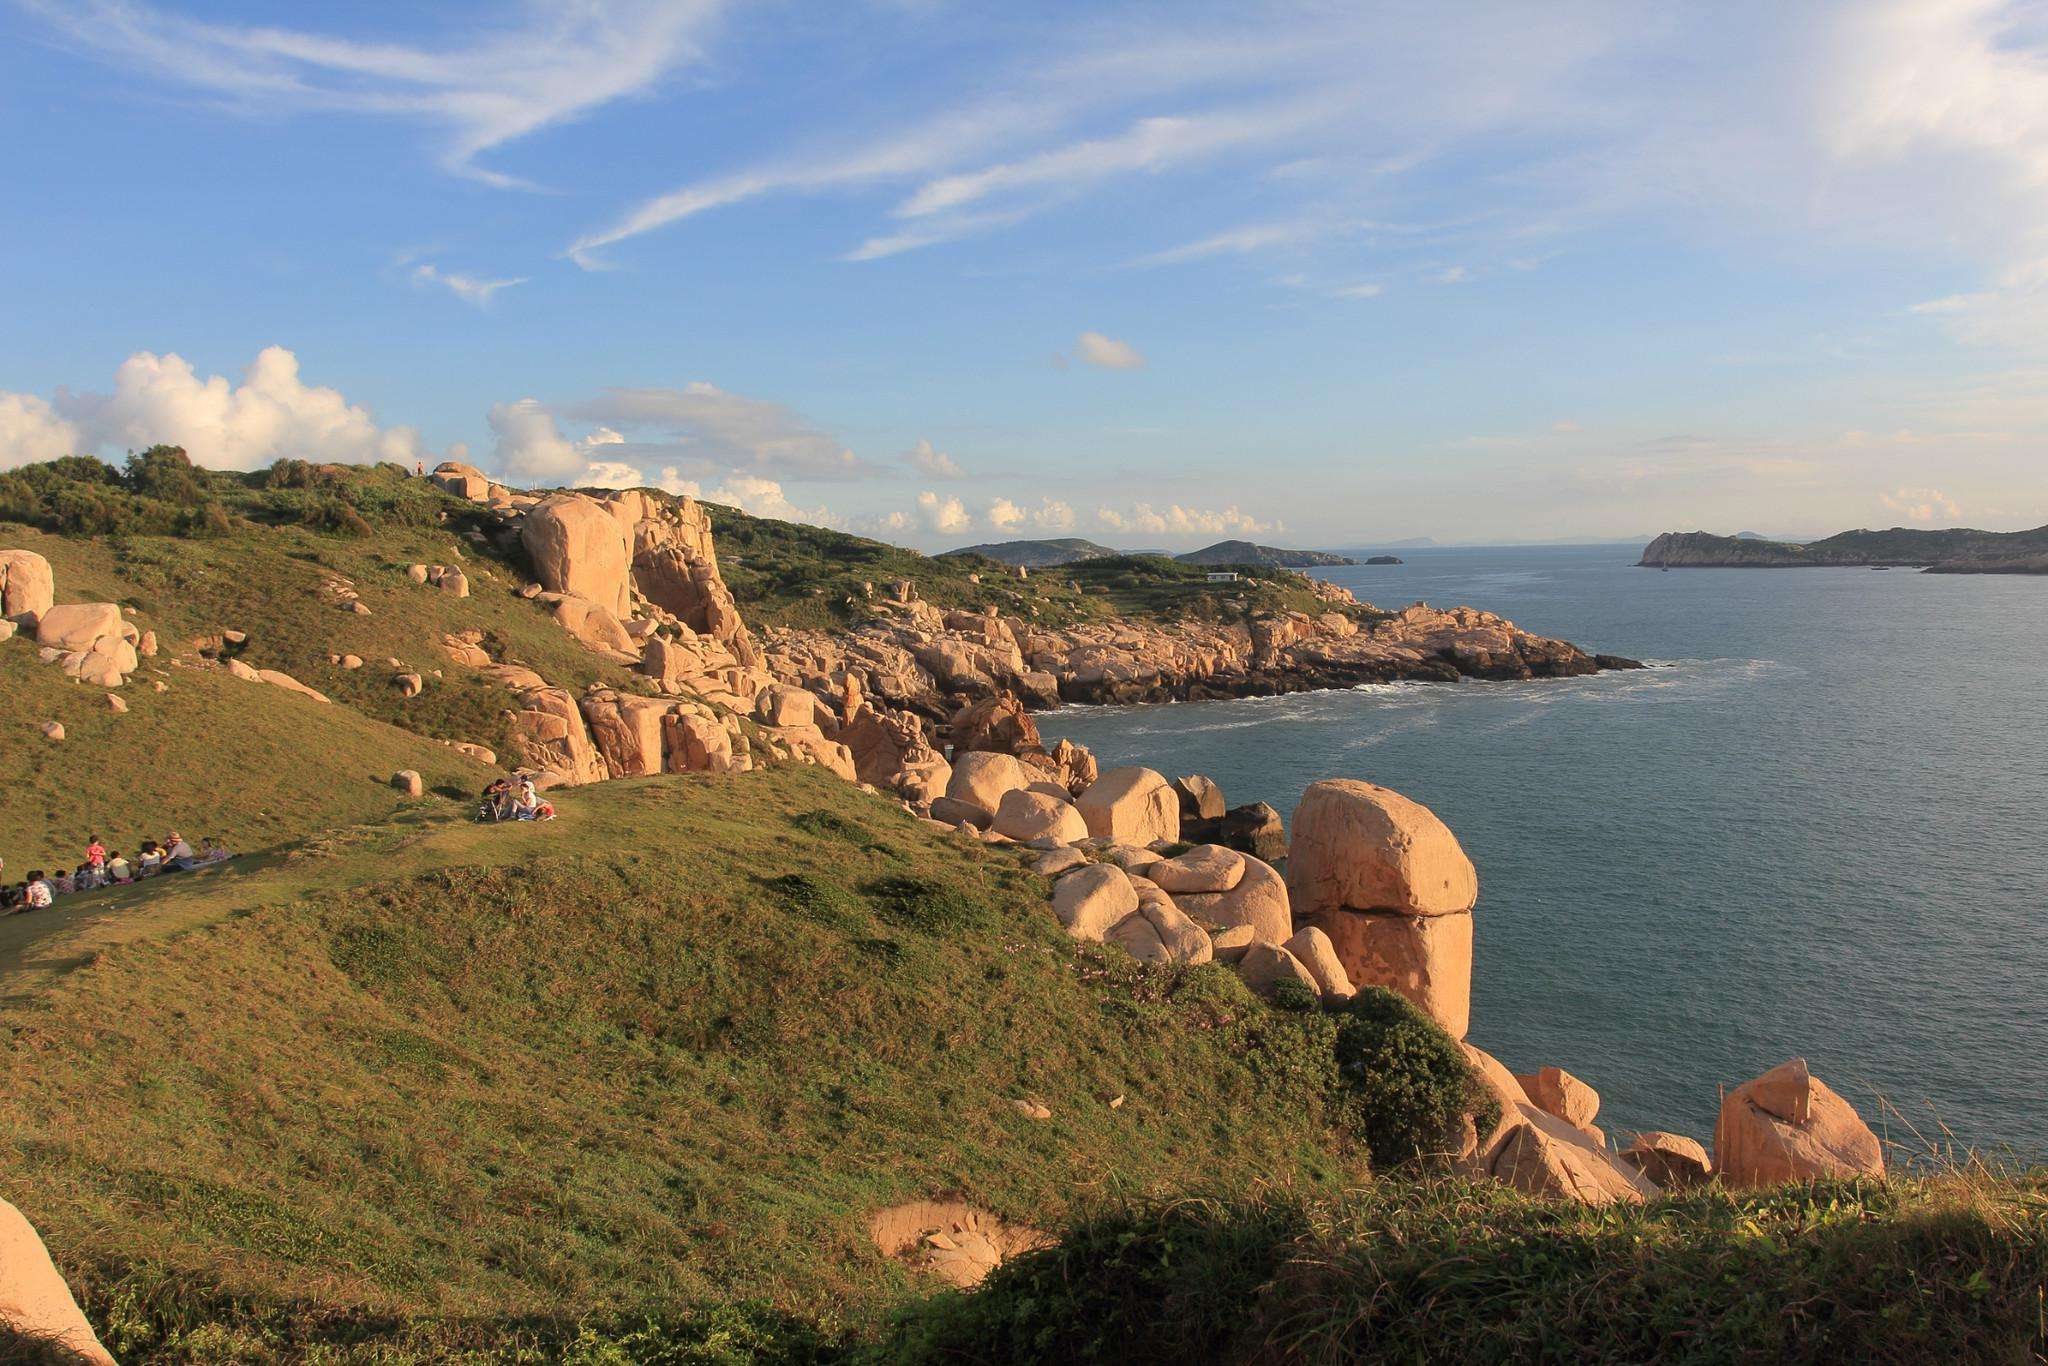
(105, 867)
(514, 799)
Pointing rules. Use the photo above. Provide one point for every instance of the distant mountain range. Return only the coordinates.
(1960, 550)
(1072, 549)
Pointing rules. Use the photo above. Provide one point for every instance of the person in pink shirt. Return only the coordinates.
(96, 853)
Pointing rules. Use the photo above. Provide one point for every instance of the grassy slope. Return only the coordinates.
(671, 1049)
(1945, 1269)
(788, 574)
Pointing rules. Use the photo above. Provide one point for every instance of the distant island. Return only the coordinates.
(1959, 550)
(1384, 559)
(1073, 549)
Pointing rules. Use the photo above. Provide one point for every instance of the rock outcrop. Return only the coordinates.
(27, 587)
(578, 548)
(1389, 884)
(1131, 805)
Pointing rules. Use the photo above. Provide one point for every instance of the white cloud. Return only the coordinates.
(1565, 427)
(705, 429)
(1175, 520)
(1108, 353)
(934, 463)
(1365, 291)
(748, 493)
(1004, 515)
(467, 288)
(1053, 515)
(1451, 275)
(156, 399)
(530, 444)
(31, 431)
(1233, 242)
(1920, 505)
(947, 515)
(490, 87)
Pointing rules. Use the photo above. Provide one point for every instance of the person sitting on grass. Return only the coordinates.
(119, 870)
(95, 852)
(178, 857)
(86, 878)
(150, 861)
(497, 801)
(212, 850)
(525, 801)
(38, 893)
(61, 883)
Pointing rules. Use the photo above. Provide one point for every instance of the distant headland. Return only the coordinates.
(1958, 550)
(1045, 554)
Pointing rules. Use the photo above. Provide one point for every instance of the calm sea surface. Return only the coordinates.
(1822, 830)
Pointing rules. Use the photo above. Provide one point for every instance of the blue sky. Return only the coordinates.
(1321, 273)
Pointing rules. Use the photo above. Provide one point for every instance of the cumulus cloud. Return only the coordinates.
(1107, 352)
(1053, 515)
(31, 431)
(704, 429)
(931, 462)
(947, 515)
(467, 288)
(1920, 505)
(1004, 515)
(1175, 520)
(271, 414)
(749, 493)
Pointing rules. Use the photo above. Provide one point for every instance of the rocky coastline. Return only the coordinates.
(1958, 551)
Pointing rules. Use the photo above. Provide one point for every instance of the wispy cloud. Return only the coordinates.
(1107, 353)
(467, 288)
(932, 462)
(562, 59)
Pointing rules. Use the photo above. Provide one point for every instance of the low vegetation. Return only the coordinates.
(1944, 1269)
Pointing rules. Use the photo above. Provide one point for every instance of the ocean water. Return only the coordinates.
(1819, 828)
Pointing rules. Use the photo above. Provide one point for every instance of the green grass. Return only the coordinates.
(1945, 1269)
(788, 574)
(486, 1085)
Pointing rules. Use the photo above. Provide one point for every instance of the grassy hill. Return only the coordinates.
(1265, 556)
(447, 1085)
(1038, 554)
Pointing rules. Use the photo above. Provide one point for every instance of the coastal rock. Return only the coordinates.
(595, 625)
(1558, 1092)
(409, 782)
(1091, 901)
(1428, 959)
(1312, 949)
(1204, 868)
(998, 724)
(1254, 829)
(1134, 805)
(81, 625)
(1265, 965)
(464, 481)
(1182, 939)
(1673, 1161)
(1135, 935)
(1543, 1155)
(1024, 815)
(959, 811)
(279, 679)
(983, 778)
(1788, 1125)
(1054, 862)
(1480, 1150)
(1200, 799)
(1259, 900)
(34, 1300)
(1360, 847)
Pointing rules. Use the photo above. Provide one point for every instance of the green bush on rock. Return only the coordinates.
(1409, 1087)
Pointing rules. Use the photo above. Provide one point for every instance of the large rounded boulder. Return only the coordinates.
(1131, 806)
(1368, 848)
(1024, 815)
(27, 587)
(578, 547)
(34, 1300)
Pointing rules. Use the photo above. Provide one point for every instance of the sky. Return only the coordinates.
(1314, 273)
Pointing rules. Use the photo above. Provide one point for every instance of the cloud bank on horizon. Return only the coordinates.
(1469, 269)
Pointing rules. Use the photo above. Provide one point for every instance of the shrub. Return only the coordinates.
(1407, 1085)
(165, 473)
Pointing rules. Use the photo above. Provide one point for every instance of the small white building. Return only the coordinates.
(1223, 576)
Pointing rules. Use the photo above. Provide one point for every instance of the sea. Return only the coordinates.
(1818, 827)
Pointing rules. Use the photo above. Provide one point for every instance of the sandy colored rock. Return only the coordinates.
(1135, 935)
(983, 777)
(1673, 1161)
(595, 625)
(145, 645)
(115, 704)
(786, 706)
(409, 782)
(1200, 798)
(1788, 1125)
(1054, 862)
(1543, 1155)
(416, 572)
(1134, 805)
(464, 481)
(408, 684)
(27, 587)
(278, 679)
(1356, 846)
(1180, 937)
(34, 1300)
(242, 671)
(1091, 901)
(1312, 949)
(52, 730)
(1230, 942)
(956, 811)
(1259, 900)
(1028, 815)
(1266, 965)
(454, 583)
(579, 548)
(1428, 959)
(7, 629)
(1560, 1093)
(1481, 1149)
(81, 625)
(1204, 868)
(1254, 828)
